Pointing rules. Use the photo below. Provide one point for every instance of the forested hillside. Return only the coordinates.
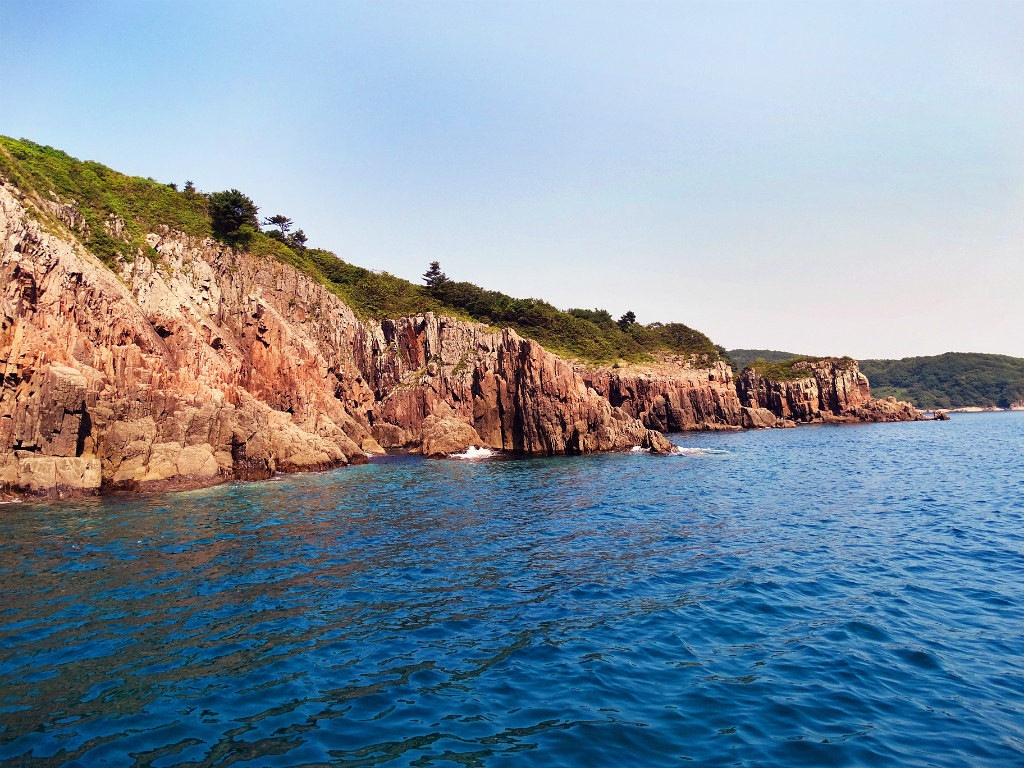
(952, 380)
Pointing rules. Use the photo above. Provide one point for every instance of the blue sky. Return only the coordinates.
(820, 177)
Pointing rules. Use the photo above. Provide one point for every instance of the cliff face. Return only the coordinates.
(180, 371)
(199, 364)
(832, 391)
(675, 396)
(517, 396)
(672, 396)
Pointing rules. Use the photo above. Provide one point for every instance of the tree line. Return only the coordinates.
(234, 218)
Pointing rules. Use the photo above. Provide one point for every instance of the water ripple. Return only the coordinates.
(821, 596)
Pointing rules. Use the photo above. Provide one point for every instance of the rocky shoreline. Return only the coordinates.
(195, 364)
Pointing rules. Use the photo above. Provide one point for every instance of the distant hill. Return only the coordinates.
(952, 380)
(744, 357)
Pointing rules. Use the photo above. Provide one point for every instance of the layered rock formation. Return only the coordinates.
(517, 396)
(195, 363)
(832, 391)
(676, 395)
(672, 396)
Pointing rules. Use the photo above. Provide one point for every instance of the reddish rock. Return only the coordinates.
(206, 364)
(443, 436)
(515, 394)
(759, 418)
(834, 390)
(671, 396)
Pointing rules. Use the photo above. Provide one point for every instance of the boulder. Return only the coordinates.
(758, 418)
(443, 436)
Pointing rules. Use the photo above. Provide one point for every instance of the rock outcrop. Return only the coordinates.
(443, 436)
(678, 395)
(515, 394)
(178, 371)
(674, 395)
(195, 363)
(832, 391)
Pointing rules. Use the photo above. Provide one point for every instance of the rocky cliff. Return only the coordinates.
(517, 396)
(832, 390)
(678, 395)
(674, 395)
(193, 363)
(190, 363)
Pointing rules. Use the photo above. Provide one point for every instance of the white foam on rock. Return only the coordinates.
(473, 452)
(694, 451)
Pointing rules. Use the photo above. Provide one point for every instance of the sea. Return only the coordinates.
(820, 596)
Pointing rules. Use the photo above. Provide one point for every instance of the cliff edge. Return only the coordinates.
(178, 361)
(191, 363)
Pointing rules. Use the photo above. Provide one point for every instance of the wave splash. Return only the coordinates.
(684, 451)
(473, 452)
(695, 451)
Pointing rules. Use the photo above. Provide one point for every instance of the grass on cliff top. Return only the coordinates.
(145, 205)
(99, 193)
(786, 370)
(744, 357)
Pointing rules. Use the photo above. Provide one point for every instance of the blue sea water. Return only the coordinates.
(822, 596)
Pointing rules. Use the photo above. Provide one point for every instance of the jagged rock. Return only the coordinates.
(671, 396)
(205, 364)
(50, 475)
(759, 418)
(176, 374)
(371, 447)
(516, 395)
(446, 435)
(834, 390)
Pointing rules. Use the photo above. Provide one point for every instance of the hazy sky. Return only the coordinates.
(820, 177)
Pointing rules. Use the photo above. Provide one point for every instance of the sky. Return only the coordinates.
(816, 177)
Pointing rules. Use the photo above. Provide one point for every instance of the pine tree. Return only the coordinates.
(280, 221)
(434, 277)
(230, 211)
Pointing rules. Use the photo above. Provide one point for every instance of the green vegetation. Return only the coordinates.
(952, 380)
(590, 335)
(100, 194)
(50, 176)
(233, 216)
(434, 277)
(786, 370)
(744, 357)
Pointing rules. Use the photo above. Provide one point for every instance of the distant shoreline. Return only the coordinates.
(973, 409)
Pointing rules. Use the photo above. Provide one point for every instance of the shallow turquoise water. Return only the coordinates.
(819, 596)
